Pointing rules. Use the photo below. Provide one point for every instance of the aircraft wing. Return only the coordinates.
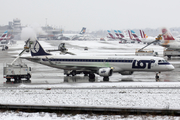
(71, 66)
(31, 59)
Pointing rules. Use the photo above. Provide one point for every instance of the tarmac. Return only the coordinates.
(46, 75)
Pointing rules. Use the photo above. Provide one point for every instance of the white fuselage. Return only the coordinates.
(117, 63)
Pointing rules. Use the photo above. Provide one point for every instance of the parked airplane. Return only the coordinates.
(101, 65)
(120, 36)
(72, 36)
(169, 41)
(126, 37)
(110, 35)
(144, 38)
(4, 40)
(4, 36)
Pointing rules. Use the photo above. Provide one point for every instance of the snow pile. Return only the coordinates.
(105, 85)
(131, 98)
(53, 116)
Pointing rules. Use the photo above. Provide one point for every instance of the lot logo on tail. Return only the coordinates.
(37, 50)
(35, 47)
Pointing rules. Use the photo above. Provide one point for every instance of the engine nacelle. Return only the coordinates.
(126, 73)
(105, 72)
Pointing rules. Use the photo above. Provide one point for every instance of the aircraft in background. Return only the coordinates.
(110, 35)
(104, 66)
(6, 36)
(72, 36)
(144, 38)
(169, 41)
(121, 36)
(4, 40)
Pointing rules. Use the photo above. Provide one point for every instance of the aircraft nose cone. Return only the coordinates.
(170, 67)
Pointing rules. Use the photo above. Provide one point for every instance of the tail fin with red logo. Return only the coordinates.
(166, 34)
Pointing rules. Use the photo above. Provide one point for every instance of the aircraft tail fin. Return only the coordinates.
(167, 35)
(143, 35)
(135, 36)
(121, 34)
(83, 31)
(130, 35)
(4, 34)
(111, 36)
(116, 33)
(36, 49)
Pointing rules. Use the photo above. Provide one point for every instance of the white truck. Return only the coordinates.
(169, 53)
(17, 69)
(17, 72)
(146, 52)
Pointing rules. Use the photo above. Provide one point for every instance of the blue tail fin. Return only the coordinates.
(36, 49)
(83, 30)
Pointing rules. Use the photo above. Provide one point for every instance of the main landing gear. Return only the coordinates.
(91, 75)
(106, 79)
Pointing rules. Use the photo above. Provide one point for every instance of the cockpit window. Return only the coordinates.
(162, 61)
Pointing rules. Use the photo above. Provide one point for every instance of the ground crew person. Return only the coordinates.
(157, 77)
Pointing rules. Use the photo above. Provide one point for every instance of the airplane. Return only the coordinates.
(72, 36)
(110, 35)
(135, 35)
(145, 38)
(4, 36)
(102, 65)
(127, 36)
(169, 41)
(4, 40)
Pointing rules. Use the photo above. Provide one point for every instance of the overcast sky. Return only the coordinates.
(93, 14)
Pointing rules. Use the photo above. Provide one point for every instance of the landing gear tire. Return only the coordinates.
(8, 80)
(106, 79)
(169, 56)
(17, 79)
(91, 77)
(28, 77)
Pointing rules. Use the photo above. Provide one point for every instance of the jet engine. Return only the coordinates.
(126, 73)
(105, 72)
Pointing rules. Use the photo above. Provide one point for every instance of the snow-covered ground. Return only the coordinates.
(10, 115)
(140, 97)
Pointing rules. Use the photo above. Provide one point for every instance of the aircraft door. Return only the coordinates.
(152, 63)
